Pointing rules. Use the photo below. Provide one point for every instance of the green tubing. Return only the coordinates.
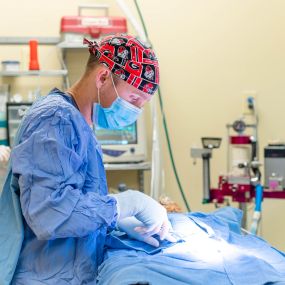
(165, 127)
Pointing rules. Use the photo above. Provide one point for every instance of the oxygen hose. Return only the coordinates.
(257, 211)
(164, 121)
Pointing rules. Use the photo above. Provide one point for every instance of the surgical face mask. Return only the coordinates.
(119, 115)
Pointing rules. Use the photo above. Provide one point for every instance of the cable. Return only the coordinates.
(170, 151)
(165, 122)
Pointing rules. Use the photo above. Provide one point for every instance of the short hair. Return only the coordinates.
(93, 62)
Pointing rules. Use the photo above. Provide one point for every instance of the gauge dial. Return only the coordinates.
(239, 126)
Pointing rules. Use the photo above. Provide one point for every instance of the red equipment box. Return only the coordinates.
(94, 27)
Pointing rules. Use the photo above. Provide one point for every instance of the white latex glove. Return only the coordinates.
(128, 225)
(4, 153)
(150, 213)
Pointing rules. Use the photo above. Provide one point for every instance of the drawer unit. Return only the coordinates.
(15, 114)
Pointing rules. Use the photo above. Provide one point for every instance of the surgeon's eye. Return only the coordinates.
(135, 96)
(136, 101)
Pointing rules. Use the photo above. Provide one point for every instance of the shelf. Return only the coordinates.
(71, 45)
(128, 166)
(62, 72)
(25, 40)
(76, 44)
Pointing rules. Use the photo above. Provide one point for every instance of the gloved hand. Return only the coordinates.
(128, 225)
(152, 215)
(4, 153)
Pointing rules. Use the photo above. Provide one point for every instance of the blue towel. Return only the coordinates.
(119, 240)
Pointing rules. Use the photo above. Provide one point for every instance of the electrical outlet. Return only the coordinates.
(249, 102)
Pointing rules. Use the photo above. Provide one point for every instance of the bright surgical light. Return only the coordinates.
(200, 247)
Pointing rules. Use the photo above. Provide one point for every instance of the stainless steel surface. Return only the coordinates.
(243, 207)
(15, 115)
(140, 167)
(199, 152)
(25, 40)
(141, 180)
(274, 167)
(239, 180)
(71, 45)
(41, 41)
(206, 177)
(128, 166)
(47, 73)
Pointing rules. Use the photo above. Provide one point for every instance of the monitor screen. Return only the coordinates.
(125, 136)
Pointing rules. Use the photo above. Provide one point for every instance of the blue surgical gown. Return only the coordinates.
(63, 195)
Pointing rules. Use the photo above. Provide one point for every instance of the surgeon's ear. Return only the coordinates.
(102, 76)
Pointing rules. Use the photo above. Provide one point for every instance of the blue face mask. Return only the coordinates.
(119, 115)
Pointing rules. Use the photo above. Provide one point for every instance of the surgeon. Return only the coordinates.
(55, 210)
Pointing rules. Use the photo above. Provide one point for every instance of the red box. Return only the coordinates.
(94, 27)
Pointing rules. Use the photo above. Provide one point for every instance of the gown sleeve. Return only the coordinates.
(50, 163)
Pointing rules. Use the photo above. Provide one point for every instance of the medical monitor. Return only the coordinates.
(124, 145)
